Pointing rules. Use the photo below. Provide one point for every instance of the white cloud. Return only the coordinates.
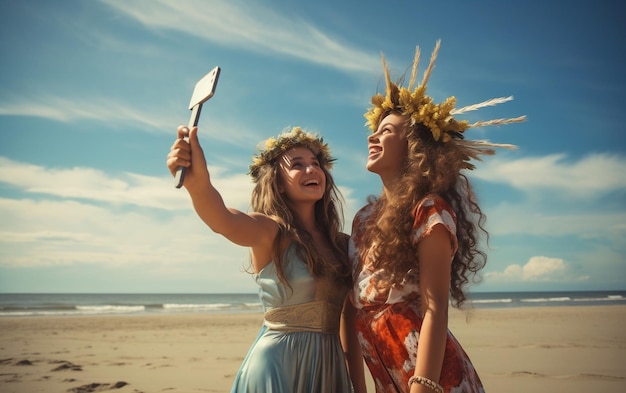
(132, 189)
(537, 269)
(534, 219)
(562, 197)
(125, 189)
(135, 224)
(250, 26)
(543, 268)
(85, 216)
(590, 175)
(66, 110)
(113, 112)
(173, 249)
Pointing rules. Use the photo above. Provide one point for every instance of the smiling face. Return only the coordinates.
(302, 178)
(387, 147)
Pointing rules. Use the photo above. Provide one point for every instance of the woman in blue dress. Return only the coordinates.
(299, 259)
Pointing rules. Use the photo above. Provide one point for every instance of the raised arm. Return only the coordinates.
(251, 230)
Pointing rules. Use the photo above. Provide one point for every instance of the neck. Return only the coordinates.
(389, 184)
(305, 213)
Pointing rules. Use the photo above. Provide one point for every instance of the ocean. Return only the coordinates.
(75, 304)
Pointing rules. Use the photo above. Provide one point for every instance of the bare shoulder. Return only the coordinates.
(267, 228)
(262, 251)
(435, 243)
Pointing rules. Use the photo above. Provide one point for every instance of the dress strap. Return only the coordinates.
(318, 316)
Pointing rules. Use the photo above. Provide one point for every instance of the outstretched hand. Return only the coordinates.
(188, 154)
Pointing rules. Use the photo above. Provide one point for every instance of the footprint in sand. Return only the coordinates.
(67, 366)
(97, 387)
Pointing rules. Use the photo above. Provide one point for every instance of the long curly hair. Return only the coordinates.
(430, 167)
(267, 199)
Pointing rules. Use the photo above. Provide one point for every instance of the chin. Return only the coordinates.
(371, 167)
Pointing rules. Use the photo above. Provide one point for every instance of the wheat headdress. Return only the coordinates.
(438, 118)
(275, 147)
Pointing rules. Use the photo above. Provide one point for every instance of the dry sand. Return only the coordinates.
(551, 349)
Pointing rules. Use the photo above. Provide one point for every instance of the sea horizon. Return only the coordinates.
(88, 304)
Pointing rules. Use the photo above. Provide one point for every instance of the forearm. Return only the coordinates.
(352, 347)
(354, 361)
(431, 347)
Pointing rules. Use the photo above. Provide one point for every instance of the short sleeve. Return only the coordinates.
(433, 210)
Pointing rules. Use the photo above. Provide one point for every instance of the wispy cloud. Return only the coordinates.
(594, 174)
(84, 216)
(250, 26)
(81, 216)
(534, 219)
(67, 110)
(115, 113)
(88, 184)
(93, 186)
(65, 232)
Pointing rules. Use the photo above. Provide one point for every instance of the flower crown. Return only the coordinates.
(438, 118)
(275, 147)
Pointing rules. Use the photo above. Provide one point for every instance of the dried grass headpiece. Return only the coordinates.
(275, 147)
(438, 118)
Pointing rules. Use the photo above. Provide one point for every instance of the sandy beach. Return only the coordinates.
(533, 349)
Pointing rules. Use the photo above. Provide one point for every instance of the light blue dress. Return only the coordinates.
(298, 348)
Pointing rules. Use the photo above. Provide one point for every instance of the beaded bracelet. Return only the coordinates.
(429, 383)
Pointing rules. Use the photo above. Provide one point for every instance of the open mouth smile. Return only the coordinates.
(311, 182)
(373, 150)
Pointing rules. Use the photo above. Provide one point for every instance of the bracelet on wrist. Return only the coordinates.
(429, 383)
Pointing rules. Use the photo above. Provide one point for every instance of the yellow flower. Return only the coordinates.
(421, 109)
(275, 147)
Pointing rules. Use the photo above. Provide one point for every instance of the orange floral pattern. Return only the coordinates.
(389, 319)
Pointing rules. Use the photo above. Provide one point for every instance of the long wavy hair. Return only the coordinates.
(267, 199)
(430, 167)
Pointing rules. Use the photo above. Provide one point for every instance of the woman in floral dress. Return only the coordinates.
(414, 248)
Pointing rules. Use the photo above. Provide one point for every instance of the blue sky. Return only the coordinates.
(91, 93)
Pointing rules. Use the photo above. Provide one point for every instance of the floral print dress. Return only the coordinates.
(389, 319)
